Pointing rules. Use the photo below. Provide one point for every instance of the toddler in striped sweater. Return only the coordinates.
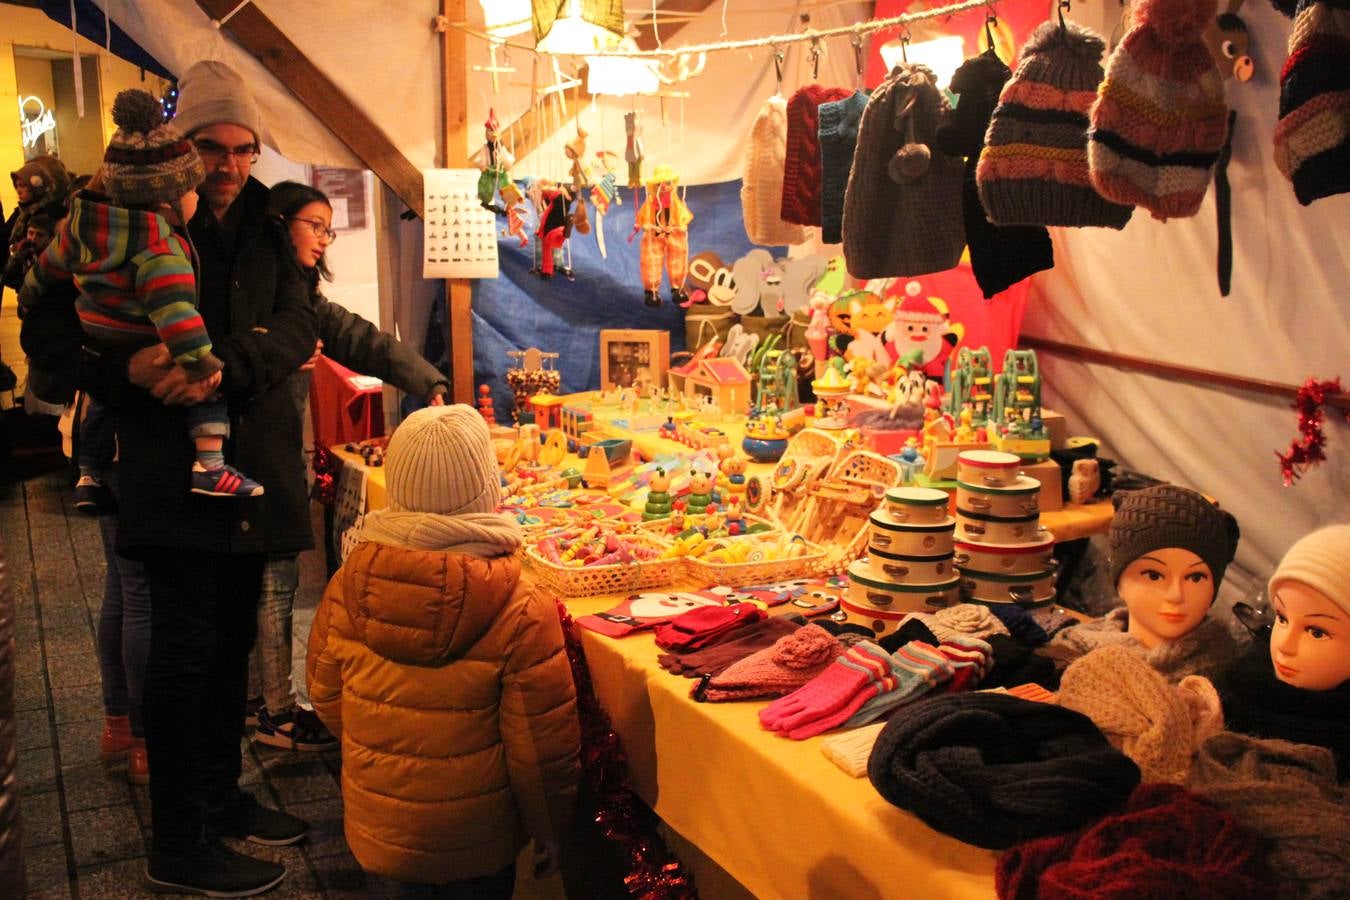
(130, 257)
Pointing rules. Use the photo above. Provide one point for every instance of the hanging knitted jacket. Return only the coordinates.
(762, 181)
(838, 135)
(902, 208)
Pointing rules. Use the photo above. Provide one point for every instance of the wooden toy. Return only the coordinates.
(547, 410)
(699, 436)
(658, 497)
(765, 440)
(831, 390)
(723, 380)
(534, 374)
(838, 505)
(700, 491)
(485, 405)
(972, 385)
(633, 357)
(606, 460)
(1015, 424)
(663, 219)
(1084, 480)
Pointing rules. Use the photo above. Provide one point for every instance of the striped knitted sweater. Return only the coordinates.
(136, 276)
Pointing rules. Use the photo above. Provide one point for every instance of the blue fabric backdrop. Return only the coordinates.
(519, 310)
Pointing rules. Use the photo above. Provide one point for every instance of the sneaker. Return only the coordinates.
(211, 869)
(138, 763)
(243, 818)
(227, 481)
(93, 498)
(252, 707)
(299, 729)
(115, 741)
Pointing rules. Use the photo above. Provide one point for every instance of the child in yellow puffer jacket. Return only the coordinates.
(441, 668)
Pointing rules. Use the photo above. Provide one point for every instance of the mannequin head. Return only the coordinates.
(1310, 591)
(1169, 549)
(1168, 593)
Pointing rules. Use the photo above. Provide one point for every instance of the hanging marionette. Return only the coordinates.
(632, 126)
(495, 162)
(575, 151)
(551, 202)
(664, 221)
(604, 192)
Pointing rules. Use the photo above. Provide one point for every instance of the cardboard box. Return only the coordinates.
(1056, 428)
(627, 353)
(1052, 488)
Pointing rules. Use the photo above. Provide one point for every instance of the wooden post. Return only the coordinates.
(458, 291)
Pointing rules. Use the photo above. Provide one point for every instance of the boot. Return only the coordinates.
(138, 764)
(116, 739)
(651, 298)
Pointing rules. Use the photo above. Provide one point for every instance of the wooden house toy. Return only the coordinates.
(723, 380)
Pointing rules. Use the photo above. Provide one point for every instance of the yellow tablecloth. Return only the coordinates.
(773, 812)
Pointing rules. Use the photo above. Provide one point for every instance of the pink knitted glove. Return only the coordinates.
(828, 693)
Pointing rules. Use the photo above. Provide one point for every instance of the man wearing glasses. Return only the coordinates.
(204, 558)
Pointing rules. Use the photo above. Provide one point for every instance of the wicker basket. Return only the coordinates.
(591, 581)
(657, 527)
(704, 573)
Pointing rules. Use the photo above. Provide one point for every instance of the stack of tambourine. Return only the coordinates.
(1003, 553)
(909, 565)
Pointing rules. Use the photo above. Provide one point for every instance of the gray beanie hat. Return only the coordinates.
(440, 461)
(1165, 515)
(211, 93)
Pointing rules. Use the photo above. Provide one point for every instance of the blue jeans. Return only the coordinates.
(269, 666)
(98, 439)
(123, 631)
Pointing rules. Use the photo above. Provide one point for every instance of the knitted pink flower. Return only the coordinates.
(806, 648)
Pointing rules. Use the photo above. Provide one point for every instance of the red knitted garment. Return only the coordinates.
(1167, 842)
(802, 170)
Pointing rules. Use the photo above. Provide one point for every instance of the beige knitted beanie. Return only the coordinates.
(211, 93)
(440, 461)
(1319, 560)
(1149, 720)
(762, 181)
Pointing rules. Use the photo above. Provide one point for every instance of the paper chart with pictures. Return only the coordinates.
(460, 237)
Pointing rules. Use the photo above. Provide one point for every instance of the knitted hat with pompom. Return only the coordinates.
(147, 162)
(1312, 139)
(1160, 118)
(790, 663)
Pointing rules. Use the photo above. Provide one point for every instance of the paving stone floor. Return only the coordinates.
(85, 828)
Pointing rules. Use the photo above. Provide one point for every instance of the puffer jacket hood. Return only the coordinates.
(444, 605)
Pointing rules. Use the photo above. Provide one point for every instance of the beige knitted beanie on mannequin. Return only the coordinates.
(440, 460)
(1319, 560)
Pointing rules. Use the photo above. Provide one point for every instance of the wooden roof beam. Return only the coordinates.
(256, 33)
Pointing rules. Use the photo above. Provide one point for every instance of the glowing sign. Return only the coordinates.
(35, 127)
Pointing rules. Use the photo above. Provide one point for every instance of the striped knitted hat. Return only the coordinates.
(147, 163)
(1034, 168)
(1312, 139)
(762, 182)
(1160, 119)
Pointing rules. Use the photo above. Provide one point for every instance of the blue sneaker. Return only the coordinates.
(227, 481)
(299, 729)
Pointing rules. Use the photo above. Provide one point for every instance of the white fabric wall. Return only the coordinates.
(1151, 291)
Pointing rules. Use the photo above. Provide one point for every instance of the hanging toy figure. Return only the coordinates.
(604, 192)
(495, 162)
(554, 227)
(632, 126)
(664, 221)
(515, 225)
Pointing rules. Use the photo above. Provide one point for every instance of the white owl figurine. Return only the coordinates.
(1084, 480)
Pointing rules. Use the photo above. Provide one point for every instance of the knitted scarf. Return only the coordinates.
(485, 535)
(1256, 702)
(1208, 650)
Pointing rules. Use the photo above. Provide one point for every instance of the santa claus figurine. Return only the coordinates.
(921, 334)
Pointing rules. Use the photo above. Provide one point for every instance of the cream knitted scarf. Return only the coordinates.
(1207, 650)
(485, 535)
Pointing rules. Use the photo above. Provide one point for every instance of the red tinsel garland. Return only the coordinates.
(1307, 449)
(654, 873)
(326, 468)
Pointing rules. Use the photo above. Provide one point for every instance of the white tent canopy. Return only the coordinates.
(1148, 291)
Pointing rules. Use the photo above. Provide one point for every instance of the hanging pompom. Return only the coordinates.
(136, 111)
(1175, 21)
(909, 162)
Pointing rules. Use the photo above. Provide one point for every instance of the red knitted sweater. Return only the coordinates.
(802, 169)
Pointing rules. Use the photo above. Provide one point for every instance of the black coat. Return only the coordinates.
(257, 310)
(362, 347)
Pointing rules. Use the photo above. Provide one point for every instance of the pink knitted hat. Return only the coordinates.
(790, 663)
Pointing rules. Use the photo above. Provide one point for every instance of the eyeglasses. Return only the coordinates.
(214, 154)
(318, 227)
